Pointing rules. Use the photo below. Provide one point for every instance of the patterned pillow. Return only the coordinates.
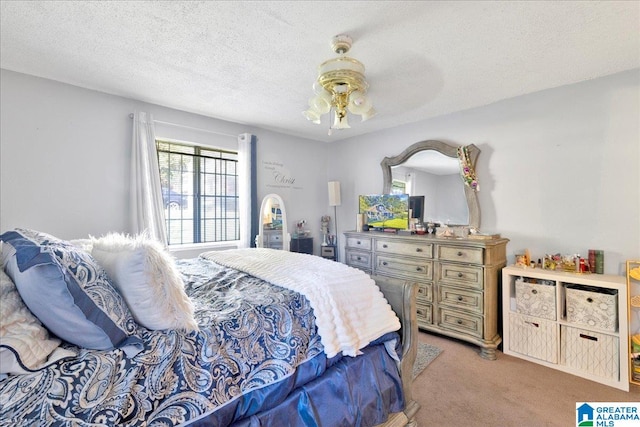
(69, 292)
(146, 275)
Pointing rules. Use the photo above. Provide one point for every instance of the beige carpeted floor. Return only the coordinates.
(459, 388)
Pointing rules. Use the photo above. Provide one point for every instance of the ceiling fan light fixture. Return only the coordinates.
(341, 86)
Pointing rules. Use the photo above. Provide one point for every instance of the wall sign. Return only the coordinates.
(278, 176)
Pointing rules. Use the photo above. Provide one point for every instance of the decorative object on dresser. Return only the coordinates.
(273, 224)
(573, 322)
(457, 279)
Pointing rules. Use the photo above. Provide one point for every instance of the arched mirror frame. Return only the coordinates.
(286, 237)
(449, 151)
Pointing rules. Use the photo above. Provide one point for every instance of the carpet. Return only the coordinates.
(426, 354)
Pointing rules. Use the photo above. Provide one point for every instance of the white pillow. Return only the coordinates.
(24, 343)
(148, 280)
(84, 244)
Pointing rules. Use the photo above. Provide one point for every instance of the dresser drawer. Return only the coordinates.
(363, 243)
(417, 249)
(425, 292)
(461, 322)
(358, 259)
(456, 253)
(461, 298)
(418, 269)
(424, 313)
(461, 275)
(274, 238)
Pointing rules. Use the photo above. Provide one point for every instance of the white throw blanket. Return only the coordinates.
(350, 309)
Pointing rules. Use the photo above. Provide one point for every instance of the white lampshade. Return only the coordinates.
(340, 123)
(334, 193)
(312, 116)
(359, 103)
(366, 116)
(320, 104)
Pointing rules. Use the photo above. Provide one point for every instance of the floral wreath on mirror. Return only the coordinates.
(467, 172)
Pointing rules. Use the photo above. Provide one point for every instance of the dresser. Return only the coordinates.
(458, 279)
(303, 245)
(272, 239)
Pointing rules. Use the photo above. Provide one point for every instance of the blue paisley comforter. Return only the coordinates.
(252, 334)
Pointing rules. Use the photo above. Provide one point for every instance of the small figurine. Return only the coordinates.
(300, 227)
(325, 220)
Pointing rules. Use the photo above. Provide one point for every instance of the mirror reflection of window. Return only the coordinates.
(437, 177)
(398, 187)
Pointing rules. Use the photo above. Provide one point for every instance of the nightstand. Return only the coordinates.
(302, 244)
(328, 252)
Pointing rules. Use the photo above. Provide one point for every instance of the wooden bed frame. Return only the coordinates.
(402, 298)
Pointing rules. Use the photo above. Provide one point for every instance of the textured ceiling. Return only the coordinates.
(255, 62)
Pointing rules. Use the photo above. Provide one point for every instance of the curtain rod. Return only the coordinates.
(191, 128)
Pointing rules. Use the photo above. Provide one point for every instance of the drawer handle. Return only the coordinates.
(420, 312)
(418, 249)
(460, 274)
(385, 246)
(459, 322)
(534, 291)
(358, 242)
(421, 291)
(418, 268)
(384, 262)
(589, 300)
(359, 258)
(460, 253)
(460, 298)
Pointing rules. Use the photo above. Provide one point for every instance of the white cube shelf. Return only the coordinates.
(595, 350)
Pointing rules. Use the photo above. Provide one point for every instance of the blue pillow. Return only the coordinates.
(69, 292)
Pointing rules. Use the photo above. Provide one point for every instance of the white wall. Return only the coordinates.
(559, 170)
(65, 158)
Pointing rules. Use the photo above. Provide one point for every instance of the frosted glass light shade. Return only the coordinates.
(320, 105)
(359, 103)
(312, 116)
(366, 116)
(340, 123)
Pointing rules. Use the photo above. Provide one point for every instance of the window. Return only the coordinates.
(200, 193)
(398, 187)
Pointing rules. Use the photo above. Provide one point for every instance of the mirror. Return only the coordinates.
(273, 224)
(432, 169)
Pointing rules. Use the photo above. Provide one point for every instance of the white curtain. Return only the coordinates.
(244, 189)
(147, 209)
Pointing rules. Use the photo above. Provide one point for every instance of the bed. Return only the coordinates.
(231, 338)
